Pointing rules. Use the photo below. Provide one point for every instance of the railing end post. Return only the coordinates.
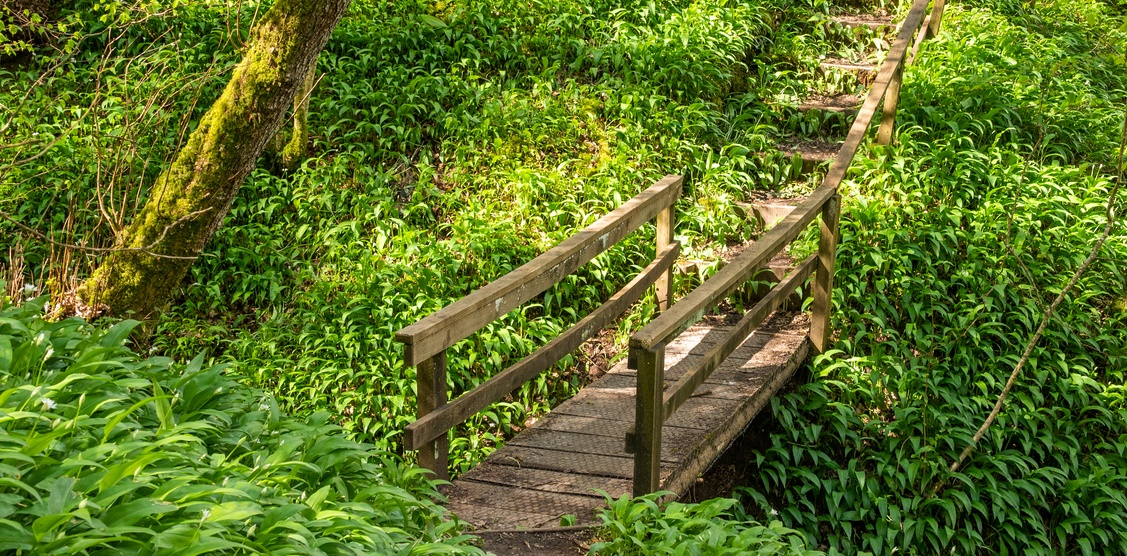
(648, 418)
(431, 393)
(824, 277)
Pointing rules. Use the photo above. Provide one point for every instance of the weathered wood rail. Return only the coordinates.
(553, 467)
(425, 342)
(656, 403)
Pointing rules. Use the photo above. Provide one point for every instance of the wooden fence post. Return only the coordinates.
(431, 390)
(824, 279)
(936, 18)
(891, 99)
(648, 418)
(663, 287)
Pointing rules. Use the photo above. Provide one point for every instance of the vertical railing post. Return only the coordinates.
(649, 414)
(431, 389)
(824, 279)
(663, 287)
(936, 18)
(891, 99)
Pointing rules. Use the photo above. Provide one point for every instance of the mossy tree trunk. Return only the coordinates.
(193, 195)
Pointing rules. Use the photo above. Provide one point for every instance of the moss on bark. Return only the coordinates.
(294, 151)
(193, 195)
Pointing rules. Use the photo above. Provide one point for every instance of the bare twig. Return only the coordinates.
(28, 230)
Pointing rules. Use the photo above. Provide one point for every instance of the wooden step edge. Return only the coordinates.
(846, 110)
(848, 66)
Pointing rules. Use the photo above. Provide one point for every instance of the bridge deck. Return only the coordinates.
(553, 467)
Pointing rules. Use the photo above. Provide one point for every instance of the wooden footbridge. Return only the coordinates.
(687, 389)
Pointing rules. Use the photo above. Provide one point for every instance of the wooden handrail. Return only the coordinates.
(653, 406)
(430, 426)
(693, 306)
(426, 341)
(458, 320)
(683, 389)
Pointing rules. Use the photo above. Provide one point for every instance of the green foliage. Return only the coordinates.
(449, 144)
(953, 243)
(452, 141)
(106, 450)
(714, 527)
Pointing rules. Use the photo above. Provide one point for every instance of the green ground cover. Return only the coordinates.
(452, 141)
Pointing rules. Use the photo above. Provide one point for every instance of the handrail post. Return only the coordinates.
(891, 99)
(648, 418)
(431, 388)
(824, 279)
(663, 287)
(936, 18)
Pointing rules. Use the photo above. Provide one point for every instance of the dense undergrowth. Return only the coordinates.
(453, 141)
(104, 451)
(953, 243)
(450, 143)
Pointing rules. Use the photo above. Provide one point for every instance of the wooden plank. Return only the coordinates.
(433, 424)
(920, 38)
(488, 517)
(758, 352)
(824, 280)
(546, 480)
(694, 340)
(431, 388)
(586, 425)
(936, 18)
(697, 413)
(580, 463)
(520, 499)
(663, 287)
(684, 387)
(715, 444)
(467, 315)
(648, 418)
(672, 449)
(891, 100)
(693, 306)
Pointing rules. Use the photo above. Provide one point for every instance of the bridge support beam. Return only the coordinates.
(663, 288)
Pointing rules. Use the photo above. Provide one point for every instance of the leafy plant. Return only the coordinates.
(106, 450)
(718, 526)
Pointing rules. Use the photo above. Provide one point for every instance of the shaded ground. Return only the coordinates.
(548, 543)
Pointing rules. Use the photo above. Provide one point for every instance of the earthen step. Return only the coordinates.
(847, 104)
(812, 152)
(876, 22)
(862, 72)
(769, 209)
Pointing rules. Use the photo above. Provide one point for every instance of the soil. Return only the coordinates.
(597, 354)
(880, 18)
(547, 543)
(810, 149)
(862, 67)
(836, 103)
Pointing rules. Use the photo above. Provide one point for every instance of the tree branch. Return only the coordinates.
(1048, 313)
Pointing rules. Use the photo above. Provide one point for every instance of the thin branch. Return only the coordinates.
(28, 230)
(1047, 316)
